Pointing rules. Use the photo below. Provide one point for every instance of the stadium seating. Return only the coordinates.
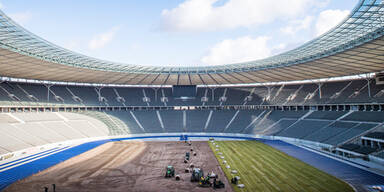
(326, 115)
(150, 121)
(243, 119)
(5, 118)
(219, 120)
(268, 120)
(303, 128)
(364, 150)
(380, 154)
(10, 141)
(279, 126)
(375, 135)
(129, 119)
(115, 125)
(368, 116)
(36, 129)
(354, 91)
(351, 133)
(329, 131)
(196, 120)
(350, 146)
(327, 126)
(173, 121)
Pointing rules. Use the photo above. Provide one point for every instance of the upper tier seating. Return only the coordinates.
(355, 91)
(358, 148)
(375, 135)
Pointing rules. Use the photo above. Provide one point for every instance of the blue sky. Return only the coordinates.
(178, 32)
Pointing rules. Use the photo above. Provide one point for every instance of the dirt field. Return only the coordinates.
(126, 166)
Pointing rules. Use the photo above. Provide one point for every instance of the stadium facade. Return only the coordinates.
(326, 95)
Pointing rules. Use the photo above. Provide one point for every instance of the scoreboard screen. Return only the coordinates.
(184, 91)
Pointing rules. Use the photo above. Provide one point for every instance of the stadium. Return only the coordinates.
(309, 119)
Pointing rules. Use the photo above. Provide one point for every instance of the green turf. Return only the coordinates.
(263, 168)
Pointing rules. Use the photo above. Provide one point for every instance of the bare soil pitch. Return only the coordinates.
(126, 166)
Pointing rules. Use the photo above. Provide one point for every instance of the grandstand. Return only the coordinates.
(324, 96)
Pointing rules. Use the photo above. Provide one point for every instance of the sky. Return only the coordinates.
(178, 32)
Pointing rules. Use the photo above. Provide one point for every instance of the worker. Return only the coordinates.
(54, 187)
(234, 180)
(45, 189)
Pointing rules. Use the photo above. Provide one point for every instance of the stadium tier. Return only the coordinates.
(330, 127)
(352, 91)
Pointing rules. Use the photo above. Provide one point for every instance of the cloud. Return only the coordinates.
(204, 15)
(238, 50)
(297, 25)
(102, 39)
(329, 19)
(21, 18)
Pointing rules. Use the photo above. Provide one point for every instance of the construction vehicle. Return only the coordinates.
(218, 184)
(169, 171)
(205, 181)
(197, 174)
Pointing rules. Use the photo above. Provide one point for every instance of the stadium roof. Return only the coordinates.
(355, 46)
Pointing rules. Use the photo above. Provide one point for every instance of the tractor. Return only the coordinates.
(205, 181)
(197, 174)
(169, 171)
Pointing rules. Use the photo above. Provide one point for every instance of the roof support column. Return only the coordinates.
(48, 90)
(98, 91)
(213, 92)
(155, 89)
(320, 85)
(369, 87)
